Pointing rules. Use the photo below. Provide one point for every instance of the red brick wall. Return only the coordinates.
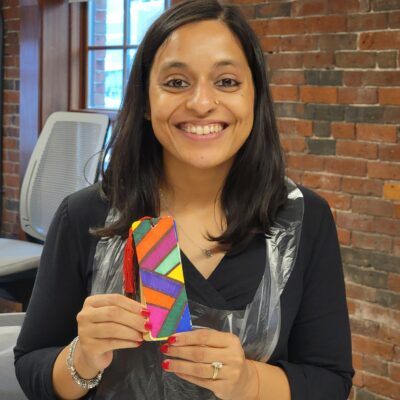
(10, 141)
(334, 70)
(335, 74)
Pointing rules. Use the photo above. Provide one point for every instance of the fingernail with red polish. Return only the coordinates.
(145, 313)
(164, 348)
(139, 342)
(171, 340)
(147, 326)
(165, 364)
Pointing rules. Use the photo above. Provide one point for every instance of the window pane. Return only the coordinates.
(130, 56)
(106, 22)
(142, 14)
(105, 72)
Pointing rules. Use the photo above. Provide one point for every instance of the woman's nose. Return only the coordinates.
(202, 99)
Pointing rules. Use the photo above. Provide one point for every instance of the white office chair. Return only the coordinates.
(64, 160)
(10, 325)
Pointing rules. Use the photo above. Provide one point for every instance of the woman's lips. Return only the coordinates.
(202, 129)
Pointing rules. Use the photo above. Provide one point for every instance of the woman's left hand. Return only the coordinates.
(197, 350)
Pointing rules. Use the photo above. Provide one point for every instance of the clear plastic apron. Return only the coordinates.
(137, 373)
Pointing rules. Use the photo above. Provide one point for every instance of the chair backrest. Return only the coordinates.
(65, 159)
(12, 319)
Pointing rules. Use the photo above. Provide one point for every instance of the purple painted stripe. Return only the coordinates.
(161, 283)
(159, 251)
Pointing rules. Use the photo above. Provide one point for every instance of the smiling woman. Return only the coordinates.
(195, 139)
(201, 97)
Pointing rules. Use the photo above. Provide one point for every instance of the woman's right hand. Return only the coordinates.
(108, 322)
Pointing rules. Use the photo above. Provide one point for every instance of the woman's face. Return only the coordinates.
(201, 95)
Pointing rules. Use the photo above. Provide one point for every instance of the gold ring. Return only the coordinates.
(217, 365)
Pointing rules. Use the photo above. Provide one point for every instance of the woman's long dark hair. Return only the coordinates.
(254, 189)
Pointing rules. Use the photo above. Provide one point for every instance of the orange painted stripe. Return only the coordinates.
(157, 298)
(152, 237)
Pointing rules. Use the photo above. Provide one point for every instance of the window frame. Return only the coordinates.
(51, 67)
(79, 64)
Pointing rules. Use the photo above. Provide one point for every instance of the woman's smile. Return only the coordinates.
(203, 130)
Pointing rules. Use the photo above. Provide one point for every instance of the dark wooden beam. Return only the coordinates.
(30, 79)
(44, 68)
(55, 58)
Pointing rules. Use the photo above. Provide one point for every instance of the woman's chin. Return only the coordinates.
(206, 163)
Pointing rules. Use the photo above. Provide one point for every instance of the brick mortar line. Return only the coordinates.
(339, 50)
(391, 30)
(334, 68)
(377, 104)
(304, 17)
(359, 301)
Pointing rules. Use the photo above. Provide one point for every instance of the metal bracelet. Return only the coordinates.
(86, 384)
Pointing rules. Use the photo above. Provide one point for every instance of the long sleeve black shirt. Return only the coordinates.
(314, 347)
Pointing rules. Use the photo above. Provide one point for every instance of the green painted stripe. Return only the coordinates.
(174, 315)
(169, 262)
(142, 229)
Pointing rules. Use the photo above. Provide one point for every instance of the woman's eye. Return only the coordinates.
(176, 83)
(228, 83)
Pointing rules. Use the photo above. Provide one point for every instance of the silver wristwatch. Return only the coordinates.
(86, 384)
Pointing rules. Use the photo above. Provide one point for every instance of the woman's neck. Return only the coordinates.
(190, 187)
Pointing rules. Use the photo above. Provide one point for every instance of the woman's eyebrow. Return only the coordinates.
(181, 65)
(173, 64)
(227, 62)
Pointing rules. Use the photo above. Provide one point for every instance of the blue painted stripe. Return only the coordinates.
(185, 324)
(160, 283)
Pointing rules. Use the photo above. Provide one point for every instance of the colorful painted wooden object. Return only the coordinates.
(161, 280)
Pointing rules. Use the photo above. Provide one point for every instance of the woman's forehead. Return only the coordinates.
(209, 40)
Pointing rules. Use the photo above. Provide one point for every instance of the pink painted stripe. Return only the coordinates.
(157, 318)
(159, 251)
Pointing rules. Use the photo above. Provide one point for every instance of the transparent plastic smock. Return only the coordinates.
(137, 373)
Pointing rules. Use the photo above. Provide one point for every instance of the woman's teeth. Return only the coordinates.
(203, 129)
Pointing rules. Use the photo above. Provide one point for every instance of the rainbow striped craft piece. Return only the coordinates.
(161, 281)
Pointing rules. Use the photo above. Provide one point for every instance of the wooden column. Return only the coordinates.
(30, 45)
(44, 68)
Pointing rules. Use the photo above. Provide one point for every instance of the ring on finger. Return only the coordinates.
(217, 365)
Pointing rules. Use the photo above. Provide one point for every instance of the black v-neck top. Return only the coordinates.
(233, 284)
(314, 347)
